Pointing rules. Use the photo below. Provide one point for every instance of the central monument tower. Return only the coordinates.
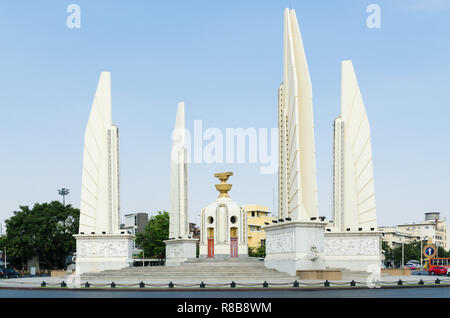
(223, 233)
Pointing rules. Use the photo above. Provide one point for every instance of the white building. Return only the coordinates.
(134, 223)
(432, 227)
(394, 238)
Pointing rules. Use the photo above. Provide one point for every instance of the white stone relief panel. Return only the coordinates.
(174, 252)
(102, 248)
(280, 242)
(350, 247)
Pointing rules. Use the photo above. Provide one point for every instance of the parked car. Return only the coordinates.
(8, 273)
(412, 266)
(437, 270)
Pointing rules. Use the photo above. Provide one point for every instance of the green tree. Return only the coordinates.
(259, 251)
(442, 252)
(3, 246)
(388, 252)
(151, 240)
(45, 231)
(412, 251)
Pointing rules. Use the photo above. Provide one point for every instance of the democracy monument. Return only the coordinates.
(299, 241)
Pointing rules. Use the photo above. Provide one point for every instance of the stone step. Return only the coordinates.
(199, 269)
(181, 275)
(194, 270)
(120, 273)
(183, 269)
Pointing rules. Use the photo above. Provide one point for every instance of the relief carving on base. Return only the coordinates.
(174, 252)
(352, 247)
(280, 242)
(102, 249)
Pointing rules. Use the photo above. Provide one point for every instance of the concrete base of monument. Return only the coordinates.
(353, 251)
(179, 251)
(96, 253)
(293, 246)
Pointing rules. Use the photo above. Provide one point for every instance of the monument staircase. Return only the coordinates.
(245, 270)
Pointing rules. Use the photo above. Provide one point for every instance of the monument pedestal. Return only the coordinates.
(96, 253)
(293, 246)
(180, 250)
(353, 251)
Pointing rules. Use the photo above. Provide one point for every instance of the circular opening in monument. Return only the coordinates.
(233, 219)
(210, 220)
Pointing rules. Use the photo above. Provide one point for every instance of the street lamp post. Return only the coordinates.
(64, 192)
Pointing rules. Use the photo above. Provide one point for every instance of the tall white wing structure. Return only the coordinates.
(179, 220)
(354, 190)
(297, 192)
(99, 208)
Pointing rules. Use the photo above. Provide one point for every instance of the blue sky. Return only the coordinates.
(224, 60)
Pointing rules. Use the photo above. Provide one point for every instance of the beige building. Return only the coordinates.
(257, 216)
(432, 227)
(394, 238)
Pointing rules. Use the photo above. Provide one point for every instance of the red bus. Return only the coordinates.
(439, 261)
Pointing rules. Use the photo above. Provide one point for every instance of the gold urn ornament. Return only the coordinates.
(223, 187)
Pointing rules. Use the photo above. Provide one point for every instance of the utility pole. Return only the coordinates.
(64, 192)
(403, 254)
(421, 254)
(4, 251)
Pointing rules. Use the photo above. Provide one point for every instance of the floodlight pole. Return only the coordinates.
(64, 192)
